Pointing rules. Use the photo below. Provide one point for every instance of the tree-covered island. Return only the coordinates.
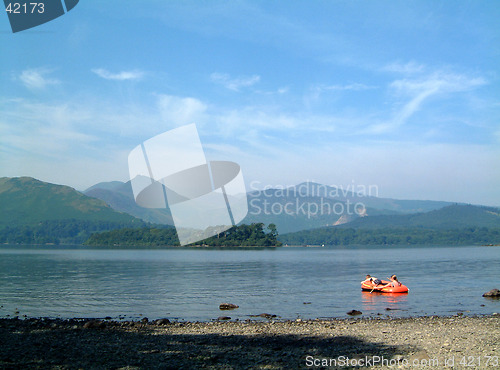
(254, 235)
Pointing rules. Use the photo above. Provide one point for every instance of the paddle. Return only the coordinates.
(373, 288)
(376, 287)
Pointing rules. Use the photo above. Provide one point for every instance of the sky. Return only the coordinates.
(398, 96)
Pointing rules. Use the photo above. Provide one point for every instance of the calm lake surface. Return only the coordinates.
(189, 284)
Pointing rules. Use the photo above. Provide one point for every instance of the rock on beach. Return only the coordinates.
(162, 322)
(228, 306)
(354, 312)
(493, 293)
(94, 324)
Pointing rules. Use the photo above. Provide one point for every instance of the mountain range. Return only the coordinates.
(304, 206)
(39, 206)
(312, 205)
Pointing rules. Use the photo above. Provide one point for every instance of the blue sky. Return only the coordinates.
(401, 95)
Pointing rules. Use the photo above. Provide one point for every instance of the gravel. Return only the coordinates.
(419, 342)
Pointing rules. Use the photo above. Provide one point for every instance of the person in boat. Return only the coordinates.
(394, 282)
(373, 280)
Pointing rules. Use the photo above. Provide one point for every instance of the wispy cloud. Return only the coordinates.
(279, 91)
(438, 81)
(316, 91)
(352, 87)
(44, 128)
(120, 76)
(37, 78)
(80, 135)
(234, 84)
(404, 68)
(420, 90)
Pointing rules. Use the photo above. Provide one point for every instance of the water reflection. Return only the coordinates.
(377, 302)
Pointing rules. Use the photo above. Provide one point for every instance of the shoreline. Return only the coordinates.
(235, 247)
(269, 344)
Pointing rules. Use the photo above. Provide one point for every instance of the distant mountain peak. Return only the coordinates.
(110, 185)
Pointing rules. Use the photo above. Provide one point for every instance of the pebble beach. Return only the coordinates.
(418, 342)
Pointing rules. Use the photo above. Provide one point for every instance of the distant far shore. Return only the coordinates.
(200, 246)
(435, 342)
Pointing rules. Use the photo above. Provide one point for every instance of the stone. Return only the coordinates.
(162, 322)
(222, 318)
(228, 306)
(493, 293)
(354, 312)
(94, 324)
(267, 315)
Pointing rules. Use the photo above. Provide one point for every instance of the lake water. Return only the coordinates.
(189, 284)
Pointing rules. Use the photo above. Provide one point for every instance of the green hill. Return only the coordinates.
(450, 217)
(394, 236)
(452, 225)
(36, 212)
(27, 201)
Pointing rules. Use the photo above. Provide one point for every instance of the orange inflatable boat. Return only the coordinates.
(368, 285)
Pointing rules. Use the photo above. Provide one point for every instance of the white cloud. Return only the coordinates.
(37, 79)
(406, 68)
(352, 87)
(439, 82)
(73, 137)
(316, 91)
(420, 90)
(176, 110)
(45, 130)
(234, 84)
(279, 91)
(120, 76)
